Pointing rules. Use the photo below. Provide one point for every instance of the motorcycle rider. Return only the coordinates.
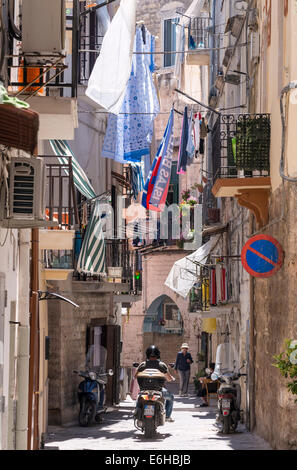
(153, 362)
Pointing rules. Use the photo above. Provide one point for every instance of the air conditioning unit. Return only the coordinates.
(22, 205)
(43, 27)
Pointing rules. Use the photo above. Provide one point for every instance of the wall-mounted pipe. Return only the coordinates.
(291, 86)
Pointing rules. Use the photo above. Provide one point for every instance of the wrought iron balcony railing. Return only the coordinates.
(61, 201)
(241, 146)
(58, 259)
(123, 263)
(199, 33)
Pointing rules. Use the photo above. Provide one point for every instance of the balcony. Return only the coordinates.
(123, 267)
(57, 244)
(241, 161)
(198, 41)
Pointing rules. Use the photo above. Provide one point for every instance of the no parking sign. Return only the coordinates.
(262, 256)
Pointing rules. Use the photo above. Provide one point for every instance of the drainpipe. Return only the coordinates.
(23, 334)
(33, 432)
(212, 77)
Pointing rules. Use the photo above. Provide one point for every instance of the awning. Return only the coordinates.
(92, 255)
(185, 271)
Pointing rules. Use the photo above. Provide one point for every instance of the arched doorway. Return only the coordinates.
(163, 326)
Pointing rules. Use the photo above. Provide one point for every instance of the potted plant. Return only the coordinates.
(286, 362)
(196, 380)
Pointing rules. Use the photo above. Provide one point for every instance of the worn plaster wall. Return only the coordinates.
(156, 267)
(68, 335)
(276, 321)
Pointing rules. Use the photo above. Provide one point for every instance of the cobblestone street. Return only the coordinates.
(193, 429)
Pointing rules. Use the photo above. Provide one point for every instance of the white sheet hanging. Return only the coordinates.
(193, 11)
(110, 75)
(184, 272)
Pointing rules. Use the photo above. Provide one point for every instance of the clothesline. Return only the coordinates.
(131, 114)
(203, 49)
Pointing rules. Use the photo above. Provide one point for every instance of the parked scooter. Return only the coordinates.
(89, 396)
(150, 404)
(229, 394)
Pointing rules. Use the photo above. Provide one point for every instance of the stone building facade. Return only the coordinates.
(267, 313)
(156, 267)
(69, 329)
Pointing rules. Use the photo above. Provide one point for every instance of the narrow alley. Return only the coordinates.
(148, 228)
(193, 429)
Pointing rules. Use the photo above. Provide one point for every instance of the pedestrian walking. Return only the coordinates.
(183, 367)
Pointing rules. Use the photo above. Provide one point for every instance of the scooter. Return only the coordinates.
(229, 400)
(89, 396)
(150, 404)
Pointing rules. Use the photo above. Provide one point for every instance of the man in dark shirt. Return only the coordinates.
(183, 366)
(153, 362)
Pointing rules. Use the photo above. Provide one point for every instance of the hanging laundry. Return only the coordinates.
(110, 75)
(203, 129)
(201, 146)
(193, 11)
(129, 135)
(103, 19)
(182, 156)
(196, 131)
(137, 179)
(221, 283)
(192, 44)
(213, 287)
(157, 185)
(190, 144)
(203, 135)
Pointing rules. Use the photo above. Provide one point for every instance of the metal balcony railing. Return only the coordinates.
(43, 73)
(61, 202)
(123, 263)
(58, 259)
(241, 146)
(199, 33)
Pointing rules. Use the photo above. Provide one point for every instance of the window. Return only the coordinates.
(171, 312)
(169, 38)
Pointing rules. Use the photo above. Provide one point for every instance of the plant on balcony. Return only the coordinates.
(186, 194)
(253, 143)
(286, 362)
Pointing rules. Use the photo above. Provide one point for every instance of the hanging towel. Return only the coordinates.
(182, 156)
(203, 129)
(213, 287)
(137, 179)
(128, 135)
(103, 19)
(221, 282)
(190, 144)
(196, 130)
(201, 146)
(110, 75)
(192, 44)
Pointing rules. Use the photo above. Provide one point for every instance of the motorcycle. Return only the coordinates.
(89, 396)
(150, 404)
(229, 394)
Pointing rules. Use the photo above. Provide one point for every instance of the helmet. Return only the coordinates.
(152, 351)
